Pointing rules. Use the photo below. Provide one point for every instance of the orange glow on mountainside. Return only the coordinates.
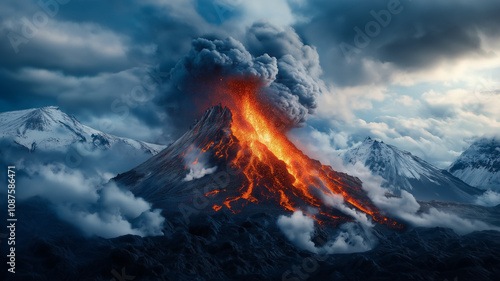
(272, 167)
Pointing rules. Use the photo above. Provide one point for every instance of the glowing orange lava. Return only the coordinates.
(272, 166)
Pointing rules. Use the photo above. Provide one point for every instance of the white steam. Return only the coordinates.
(407, 208)
(351, 238)
(197, 162)
(298, 228)
(358, 237)
(489, 198)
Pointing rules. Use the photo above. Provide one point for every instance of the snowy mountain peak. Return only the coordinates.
(377, 154)
(479, 165)
(403, 171)
(48, 128)
(45, 118)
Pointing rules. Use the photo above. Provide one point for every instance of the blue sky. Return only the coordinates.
(423, 75)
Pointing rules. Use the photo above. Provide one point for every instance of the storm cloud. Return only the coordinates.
(416, 35)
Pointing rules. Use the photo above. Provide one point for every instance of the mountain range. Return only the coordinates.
(50, 129)
(403, 171)
(204, 242)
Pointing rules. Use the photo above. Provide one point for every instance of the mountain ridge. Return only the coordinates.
(479, 165)
(48, 128)
(404, 171)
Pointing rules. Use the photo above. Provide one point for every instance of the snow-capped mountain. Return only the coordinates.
(403, 171)
(479, 165)
(49, 129)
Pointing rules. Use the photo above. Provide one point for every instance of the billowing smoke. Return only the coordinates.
(350, 238)
(197, 163)
(287, 69)
(298, 228)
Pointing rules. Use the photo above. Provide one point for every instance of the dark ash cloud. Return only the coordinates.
(288, 69)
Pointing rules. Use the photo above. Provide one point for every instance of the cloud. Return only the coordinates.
(298, 228)
(349, 238)
(416, 38)
(75, 181)
(197, 162)
(54, 45)
(409, 210)
(337, 202)
(90, 204)
(489, 199)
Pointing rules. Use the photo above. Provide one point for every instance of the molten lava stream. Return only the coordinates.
(253, 126)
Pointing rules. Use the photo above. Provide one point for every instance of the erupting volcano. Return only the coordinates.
(262, 141)
(245, 134)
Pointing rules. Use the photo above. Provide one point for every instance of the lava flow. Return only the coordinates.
(272, 167)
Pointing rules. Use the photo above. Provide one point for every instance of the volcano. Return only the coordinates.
(243, 140)
(223, 188)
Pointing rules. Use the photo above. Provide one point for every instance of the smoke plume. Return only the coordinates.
(287, 69)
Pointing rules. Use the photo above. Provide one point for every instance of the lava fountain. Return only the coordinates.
(272, 167)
